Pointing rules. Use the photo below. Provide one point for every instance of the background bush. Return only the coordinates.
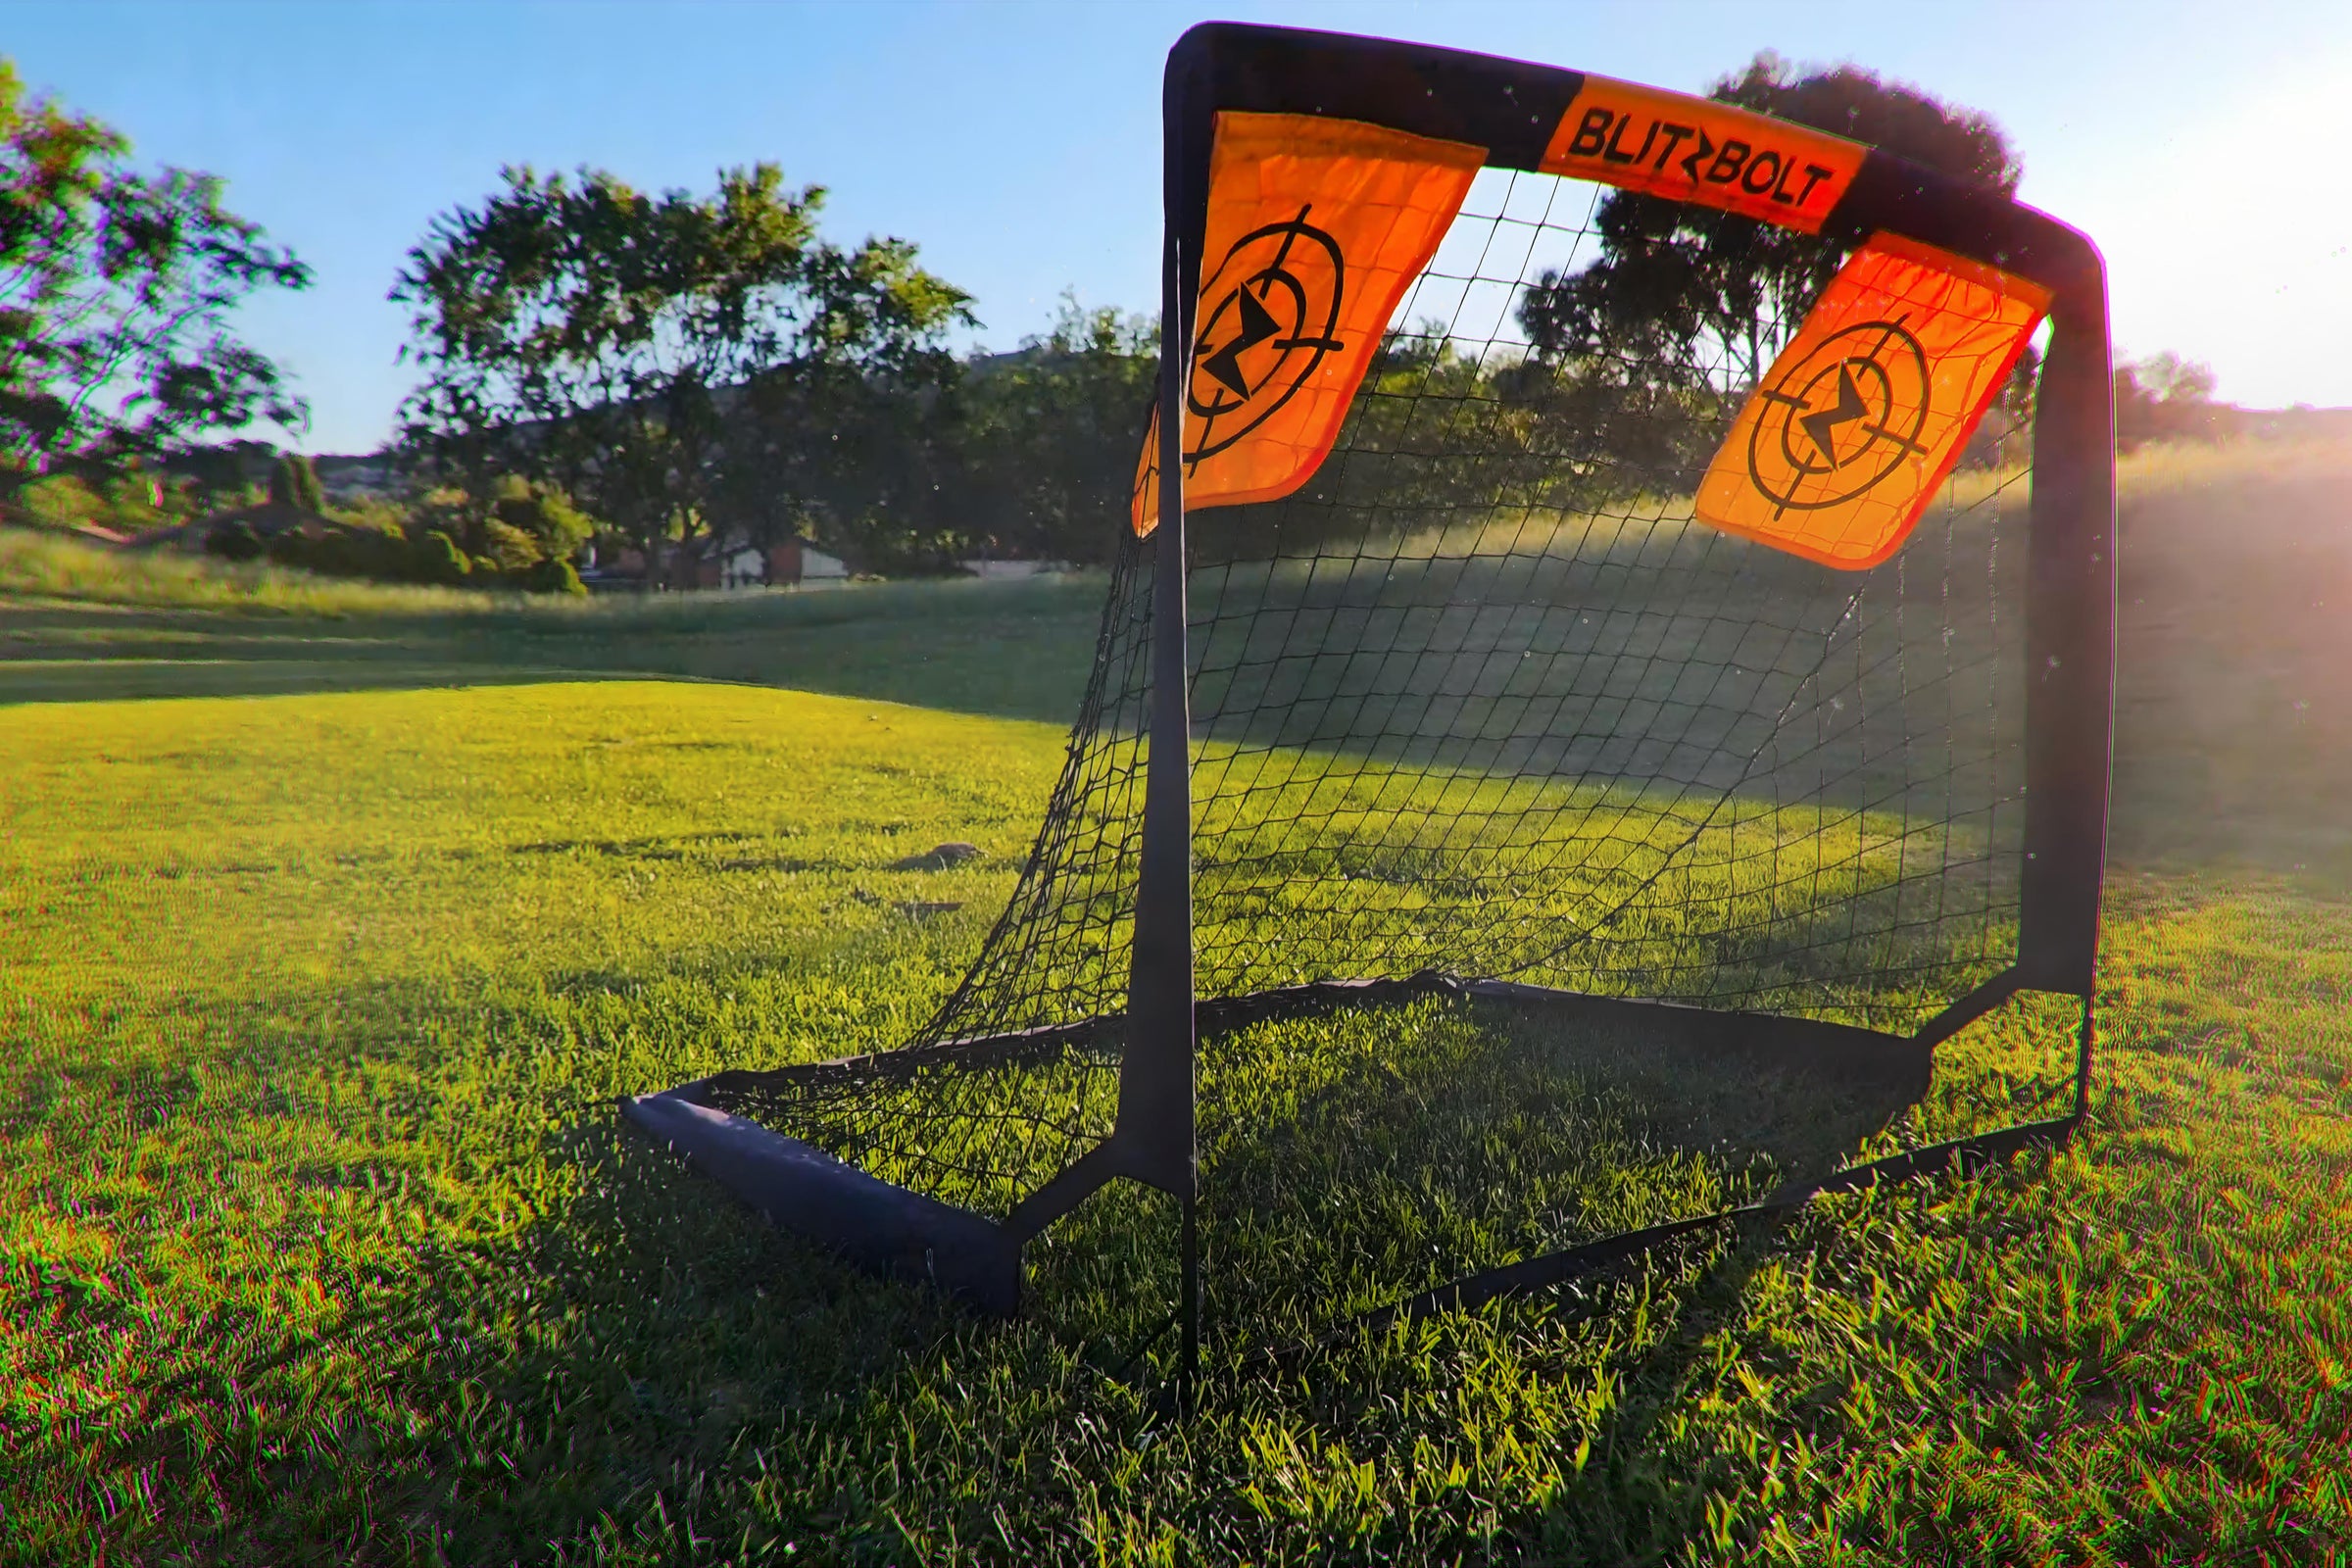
(234, 541)
(555, 575)
(440, 561)
(293, 482)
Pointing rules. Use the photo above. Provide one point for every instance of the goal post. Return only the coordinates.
(1736, 674)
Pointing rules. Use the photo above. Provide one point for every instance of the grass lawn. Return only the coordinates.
(319, 1240)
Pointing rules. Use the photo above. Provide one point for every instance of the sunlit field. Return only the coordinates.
(332, 919)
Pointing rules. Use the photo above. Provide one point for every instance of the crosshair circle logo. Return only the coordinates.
(1277, 293)
(1840, 419)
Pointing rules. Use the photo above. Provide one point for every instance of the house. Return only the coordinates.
(706, 562)
(795, 563)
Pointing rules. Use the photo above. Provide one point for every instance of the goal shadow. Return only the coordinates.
(1359, 1156)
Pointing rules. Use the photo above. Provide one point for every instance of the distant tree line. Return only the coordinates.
(2166, 398)
(662, 371)
(690, 367)
(687, 365)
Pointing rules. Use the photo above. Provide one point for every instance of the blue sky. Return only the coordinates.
(2202, 145)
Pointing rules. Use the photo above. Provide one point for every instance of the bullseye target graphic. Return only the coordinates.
(1275, 312)
(1315, 230)
(1840, 448)
(1842, 418)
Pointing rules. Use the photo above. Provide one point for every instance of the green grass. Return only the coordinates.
(320, 1241)
(79, 623)
(40, 566)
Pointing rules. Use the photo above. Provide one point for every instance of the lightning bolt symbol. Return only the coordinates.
(1224, 365)
(1823, 425)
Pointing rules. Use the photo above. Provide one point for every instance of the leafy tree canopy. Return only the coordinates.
(619, 344)
(1048, 434)
(537, 521)
(2166, 398)
(116, 291)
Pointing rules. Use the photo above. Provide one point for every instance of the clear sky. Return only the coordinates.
(2205, 144)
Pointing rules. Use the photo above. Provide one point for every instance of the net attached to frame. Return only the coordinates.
(1483, 699)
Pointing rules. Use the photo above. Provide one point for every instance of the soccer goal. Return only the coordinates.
(1598, 554)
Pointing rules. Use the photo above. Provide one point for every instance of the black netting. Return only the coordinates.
(1483, 699)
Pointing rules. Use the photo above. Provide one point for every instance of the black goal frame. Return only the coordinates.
(1513, 109)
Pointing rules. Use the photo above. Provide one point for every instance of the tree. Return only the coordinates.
(1048, 435)
(2166, 398)
(535, 523)
(115, 292)
(1684, 307)
(860, 458)
(293, 482)
(678, 364)
(2170, 378)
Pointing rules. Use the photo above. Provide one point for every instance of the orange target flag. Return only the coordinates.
(1839, 449)
(1316, 228)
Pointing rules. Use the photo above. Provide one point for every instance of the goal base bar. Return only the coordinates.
(878, 1226)
(1969, 1156)
(898, 1234)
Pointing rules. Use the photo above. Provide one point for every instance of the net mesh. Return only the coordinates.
(1483, 698)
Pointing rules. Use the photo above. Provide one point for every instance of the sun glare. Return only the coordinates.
(2231, 244)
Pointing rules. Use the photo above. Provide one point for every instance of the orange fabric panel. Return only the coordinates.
(1316, 228)
(1837, 453)
(1697, 150)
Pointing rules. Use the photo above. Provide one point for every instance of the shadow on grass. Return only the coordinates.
(1005, 650)
(1370, 1158)
(635, 1364)
(558, 1390)
(1415, 1142)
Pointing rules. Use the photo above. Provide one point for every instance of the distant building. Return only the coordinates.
(706, 562)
